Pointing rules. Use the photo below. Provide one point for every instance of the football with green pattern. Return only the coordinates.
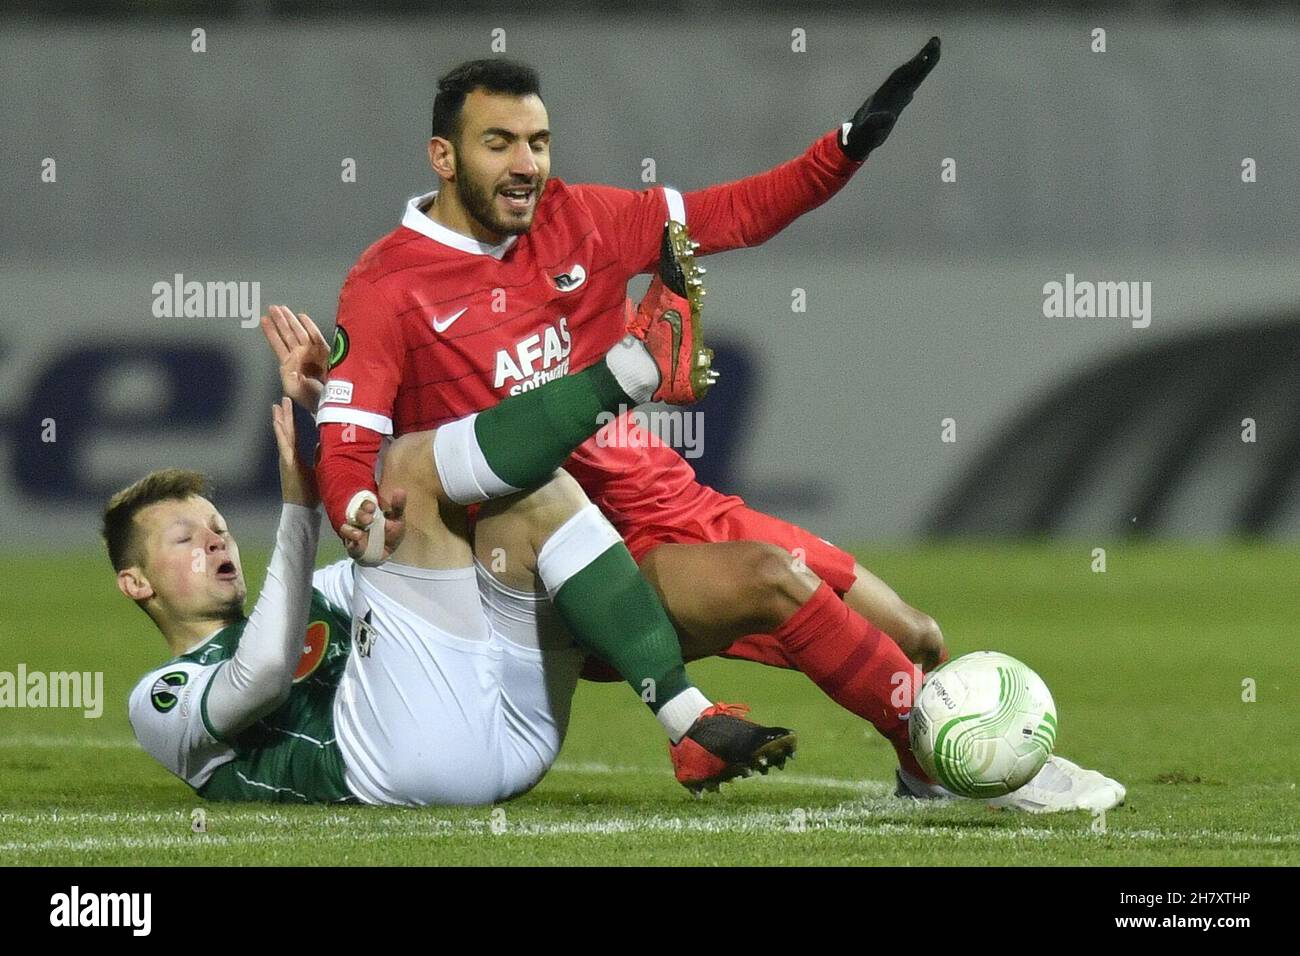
(983, 724)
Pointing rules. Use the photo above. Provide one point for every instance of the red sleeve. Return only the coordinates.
(750, 211)
(733, 215)
(345, 464)
(633, 221)
(356, 409)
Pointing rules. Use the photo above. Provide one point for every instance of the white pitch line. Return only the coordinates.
(869, 787)
(861, 818)
(745, 824)
(877, 802)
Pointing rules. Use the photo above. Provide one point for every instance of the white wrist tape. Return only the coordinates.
(374, 553)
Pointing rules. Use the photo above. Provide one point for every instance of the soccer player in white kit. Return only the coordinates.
(460, 676)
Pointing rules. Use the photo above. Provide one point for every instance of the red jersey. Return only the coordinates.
(433, 325)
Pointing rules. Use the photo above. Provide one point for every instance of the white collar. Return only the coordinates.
(414, 219)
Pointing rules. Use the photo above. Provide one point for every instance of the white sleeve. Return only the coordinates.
(334, 581)
(166, 712)
(676, 205)
(258, 678)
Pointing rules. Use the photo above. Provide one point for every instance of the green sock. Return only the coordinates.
(614, 612)
(525, 437)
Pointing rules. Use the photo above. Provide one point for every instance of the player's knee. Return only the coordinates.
(558, 496)
(778, 586)
(546, 505)
(924, 636)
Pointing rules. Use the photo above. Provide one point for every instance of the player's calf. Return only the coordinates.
(554, 539)
(720, 592)
(917, 633)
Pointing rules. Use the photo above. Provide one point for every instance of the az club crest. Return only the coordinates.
(568, 281)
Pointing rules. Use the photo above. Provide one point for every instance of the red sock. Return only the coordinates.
(856, 664)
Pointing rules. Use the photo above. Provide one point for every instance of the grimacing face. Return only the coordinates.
(190, 560)
(503, 159)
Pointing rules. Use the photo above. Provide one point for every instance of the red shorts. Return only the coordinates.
(712, 516)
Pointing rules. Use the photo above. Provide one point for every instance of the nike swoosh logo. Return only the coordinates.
(445, 324)
(674, 320)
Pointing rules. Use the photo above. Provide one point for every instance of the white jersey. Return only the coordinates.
(247, 714)
(393, 685)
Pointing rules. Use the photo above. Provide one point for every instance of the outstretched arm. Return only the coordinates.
(752, 210)
(185, 712)
(257, 678)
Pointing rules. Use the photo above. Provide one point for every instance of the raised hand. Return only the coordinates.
(302, 352)
(876, 117)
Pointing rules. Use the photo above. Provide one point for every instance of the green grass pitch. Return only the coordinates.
(1146, 661)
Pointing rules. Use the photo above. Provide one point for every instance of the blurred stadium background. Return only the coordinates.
(923, 298)
(924, 303)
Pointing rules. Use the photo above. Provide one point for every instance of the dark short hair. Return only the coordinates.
(120, 530)
(493, 75)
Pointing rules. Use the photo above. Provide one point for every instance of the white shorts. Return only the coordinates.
(457, 690)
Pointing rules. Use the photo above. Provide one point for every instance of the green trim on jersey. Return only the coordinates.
(290, 755)
(203, 712)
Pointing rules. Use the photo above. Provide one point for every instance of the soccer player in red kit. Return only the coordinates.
(508, 278)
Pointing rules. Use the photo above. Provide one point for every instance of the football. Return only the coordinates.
(983, 724)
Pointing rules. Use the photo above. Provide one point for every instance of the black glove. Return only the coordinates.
(872, 123)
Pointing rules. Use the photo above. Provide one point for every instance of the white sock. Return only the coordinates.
(678, 714)
(465, 474)
(633, 368)
(574, 545)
